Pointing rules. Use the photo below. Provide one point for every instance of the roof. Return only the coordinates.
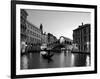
(82, 26)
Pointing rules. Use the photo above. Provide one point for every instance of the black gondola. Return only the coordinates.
(47, 56)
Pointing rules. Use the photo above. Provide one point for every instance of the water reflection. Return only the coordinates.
(44, 63)
(34, 60)
(62, 59)
(72, 60)
(24, 62)
(80, 60)
(87, 60)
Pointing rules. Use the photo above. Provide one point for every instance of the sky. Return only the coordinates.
(59, 23)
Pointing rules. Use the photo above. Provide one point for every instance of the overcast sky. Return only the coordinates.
(59, 23)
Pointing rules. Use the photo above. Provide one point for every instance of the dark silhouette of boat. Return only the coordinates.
(47, 56)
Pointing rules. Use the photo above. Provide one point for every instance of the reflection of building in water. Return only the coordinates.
(88, 62)
(81, 37)
(72, 59)
(24, 62)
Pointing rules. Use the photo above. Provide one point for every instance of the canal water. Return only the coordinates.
(34, 60)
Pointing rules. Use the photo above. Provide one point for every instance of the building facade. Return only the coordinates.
(43, 35)
(31, 34)
(81, 37)
(51, 38)
(23, 27)
(44, 38)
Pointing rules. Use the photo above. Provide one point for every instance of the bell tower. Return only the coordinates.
(41, 28)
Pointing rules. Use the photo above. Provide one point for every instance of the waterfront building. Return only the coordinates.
(30, 34)
(81, 37)
(51, 38)
(44, 38)
(43, 35)
(23, 27)
(33, 34)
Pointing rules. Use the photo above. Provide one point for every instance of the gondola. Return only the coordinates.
(47, 56)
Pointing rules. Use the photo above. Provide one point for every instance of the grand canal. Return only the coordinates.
(34, 60)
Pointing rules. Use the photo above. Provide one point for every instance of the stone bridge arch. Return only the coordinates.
(65, 40)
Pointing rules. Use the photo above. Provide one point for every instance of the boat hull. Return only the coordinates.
(47, 56)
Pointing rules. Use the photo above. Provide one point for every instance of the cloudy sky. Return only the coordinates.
(59, 23)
